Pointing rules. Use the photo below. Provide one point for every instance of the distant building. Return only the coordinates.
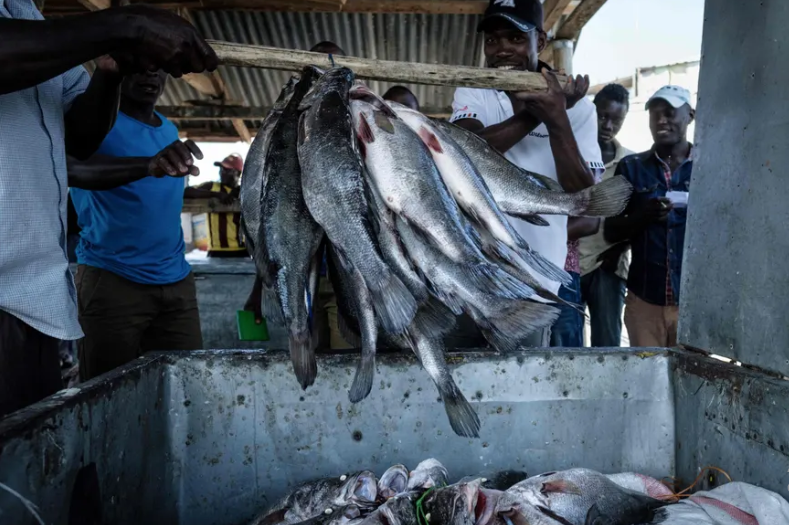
(635, 133)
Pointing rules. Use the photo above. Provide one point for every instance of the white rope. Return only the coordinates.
(28, 504)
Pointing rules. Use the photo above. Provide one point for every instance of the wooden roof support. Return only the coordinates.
(432, 7)
(95, 5)
(553, 10)
(571, 28)
(189, 113)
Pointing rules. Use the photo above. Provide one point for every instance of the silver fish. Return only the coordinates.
(253, 176)
(401, 171)
(313, 498)
(468, 188)
(504, 322)
(428, 474)
(335, 191)
(398, 510)
(572, 493)
(430, 351)
(453, 505)
(289, 237)
(524, 194)
(393, 482)
(356, 315)
(509, 511)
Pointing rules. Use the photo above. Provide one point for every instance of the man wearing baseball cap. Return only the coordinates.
(224, 231)
(654, 221)
(553, 133)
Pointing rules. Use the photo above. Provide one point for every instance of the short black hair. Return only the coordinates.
(614, 93)
(327, 47)
(400, 93)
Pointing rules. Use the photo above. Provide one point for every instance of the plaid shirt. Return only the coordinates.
(656, 264)
(35, 283)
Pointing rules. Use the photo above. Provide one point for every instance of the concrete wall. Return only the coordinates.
(735, 273)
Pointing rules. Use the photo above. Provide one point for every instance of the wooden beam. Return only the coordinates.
(431, 7)
(553, 9)
(624, 81)
(242, 130)
(402, 72)
(571, 28)
(209, 206)
(95, 5)
(188, 113)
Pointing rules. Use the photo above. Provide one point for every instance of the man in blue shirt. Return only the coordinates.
(654, 221)
(135, 290)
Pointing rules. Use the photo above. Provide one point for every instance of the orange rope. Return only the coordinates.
(684, 493)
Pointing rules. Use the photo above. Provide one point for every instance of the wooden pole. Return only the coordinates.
(563, 55)
(402, 72)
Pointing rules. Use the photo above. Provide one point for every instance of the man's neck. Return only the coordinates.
(678, 151)
(608, 149)
(142, 112)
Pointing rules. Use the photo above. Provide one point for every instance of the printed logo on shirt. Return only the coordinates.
(459, 115)
(505, 3)
(538, 135)
(596, 165)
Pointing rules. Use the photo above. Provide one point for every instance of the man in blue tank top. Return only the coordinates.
(135, 290)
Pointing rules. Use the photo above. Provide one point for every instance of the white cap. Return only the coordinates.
(677, 96)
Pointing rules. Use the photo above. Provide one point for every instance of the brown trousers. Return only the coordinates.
(122, 319)
(29, 365)
(650, 324)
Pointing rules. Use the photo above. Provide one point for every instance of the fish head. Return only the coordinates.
(453, 505)
(428, 474)
(393, 482)
(360, 489)
(485, 509)
(400, 510)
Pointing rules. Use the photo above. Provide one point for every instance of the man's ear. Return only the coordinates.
(542, 40)
(692, 114)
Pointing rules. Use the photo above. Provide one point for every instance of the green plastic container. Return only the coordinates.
(248, 330)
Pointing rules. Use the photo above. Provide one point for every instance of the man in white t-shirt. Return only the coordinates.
(553, 133)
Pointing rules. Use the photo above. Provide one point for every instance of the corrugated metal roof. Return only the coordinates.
(440, 39)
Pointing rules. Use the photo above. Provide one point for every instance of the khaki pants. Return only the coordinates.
(649, 324)
(327, 312)
(122, 319)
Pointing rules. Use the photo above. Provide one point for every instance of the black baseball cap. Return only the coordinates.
(525, 15)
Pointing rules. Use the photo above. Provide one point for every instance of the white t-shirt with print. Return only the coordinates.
(534, 153)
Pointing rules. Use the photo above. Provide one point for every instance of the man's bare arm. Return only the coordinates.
(92, 114)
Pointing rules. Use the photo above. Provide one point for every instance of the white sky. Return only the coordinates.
(623, 35)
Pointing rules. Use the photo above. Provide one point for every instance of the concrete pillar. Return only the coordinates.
(735, 274)
(563, 55)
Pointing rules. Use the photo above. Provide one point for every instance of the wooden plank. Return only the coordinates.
(95, 5)
(187, 113)
(624, 81)
(209, 206)
(571, 28)
(209, 84)
(402, 72)
(242, 130)
(553, 10)
(433, 7)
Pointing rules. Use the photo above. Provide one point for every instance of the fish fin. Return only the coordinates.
(541, 264)
(549, 183)
(530, 218)
(395, 307)
(349, 331)
(551, 514)
(515, 320)
(545, 294)
(365, 132)
(383, 122)
(607, 199)
(430, 140)
(273, 518)
(271, 307)
(495, 281)
(303, 358)
(462, 418)
(365, 370)
(449, 300)
(561, 486)
(434, 318)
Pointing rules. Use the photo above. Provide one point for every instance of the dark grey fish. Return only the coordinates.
(428, 474)
(253, 179)
(398, 510)
(504, 322)
(573, 493)
(289, 237)
(312, 499)
(452, 505)
(498, 479)
(524, 194)
(356, 310)
(335, 191)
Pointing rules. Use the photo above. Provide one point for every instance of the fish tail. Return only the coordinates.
(462, 418)
(606, 199)
(542, 265)
(365, 370)
(515, 320)
(491, 279)
(434, 319)
(271, 307)
(395, 307)
(302, 356)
